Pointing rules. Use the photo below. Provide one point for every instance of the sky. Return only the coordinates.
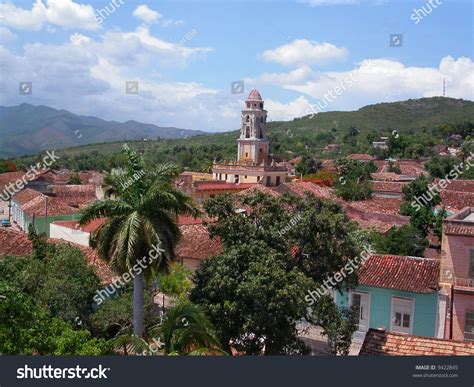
(185, 55)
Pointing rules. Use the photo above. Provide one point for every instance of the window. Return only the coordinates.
(268, 180)
(469, 326)
(236, 179)
(471, 265)
(247, 132)
(402, 315)
(248, 105)
(247, 119)
(261, 105)
(278, 180)
(246, 154)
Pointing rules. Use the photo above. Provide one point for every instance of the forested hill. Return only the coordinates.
(421, 123)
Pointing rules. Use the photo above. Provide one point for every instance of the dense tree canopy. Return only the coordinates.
(254, 292)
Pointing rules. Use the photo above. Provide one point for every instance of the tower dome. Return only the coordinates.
(254, 96)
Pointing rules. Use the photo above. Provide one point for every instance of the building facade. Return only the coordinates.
(253, 164)
(457, 274)
(398, 294)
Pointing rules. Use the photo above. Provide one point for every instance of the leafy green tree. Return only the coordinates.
(39, 243)
(405, 240)
(308, 166)
(177, 283)
(339, 324)
(115, 315)
(254, 292)
(440, 166)
(62, 281)
(26, 328)
(419, 202)
(140, 210)
(354, 180)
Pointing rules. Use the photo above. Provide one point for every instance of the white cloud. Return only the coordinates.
(64, 13)
(380, 80)
(303, 51)
(6, 35)
(87, 76)
(146, 14)
(278, 111)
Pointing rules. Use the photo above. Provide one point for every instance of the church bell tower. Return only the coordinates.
(253, 143)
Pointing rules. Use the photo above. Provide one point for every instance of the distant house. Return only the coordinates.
(61, 202)
(457, 274)
(379, 342)
(396, 293)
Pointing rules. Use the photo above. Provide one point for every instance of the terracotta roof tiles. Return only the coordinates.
(381, 343)
(409, 274)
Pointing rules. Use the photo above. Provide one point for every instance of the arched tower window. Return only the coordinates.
(247, 119)
(261, 105)
(247, 132)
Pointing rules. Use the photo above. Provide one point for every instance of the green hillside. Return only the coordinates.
(421, 123)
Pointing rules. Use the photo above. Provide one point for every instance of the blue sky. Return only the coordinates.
(185, 54)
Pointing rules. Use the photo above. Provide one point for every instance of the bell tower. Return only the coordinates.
(253, 143)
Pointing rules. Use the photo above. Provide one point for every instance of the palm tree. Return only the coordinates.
(185, 330)
(140, 209)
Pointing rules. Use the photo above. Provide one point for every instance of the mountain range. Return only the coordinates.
(28, 129)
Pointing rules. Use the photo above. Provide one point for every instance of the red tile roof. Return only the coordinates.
(195, 243)
(409, 274)
(360, 157)
(259, 188)
(379, 205)
(25, 196)
(381, 343)
(378, 226)
(9, 177)
(458, 185)
(14, 242)
(388, 186)
(254, 96)
(74, 224)
(301, 187)
(457, 200)
(215, 186)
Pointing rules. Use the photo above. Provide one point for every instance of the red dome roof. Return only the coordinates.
(254, 96)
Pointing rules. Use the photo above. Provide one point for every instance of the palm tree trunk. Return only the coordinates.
(138, 305)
